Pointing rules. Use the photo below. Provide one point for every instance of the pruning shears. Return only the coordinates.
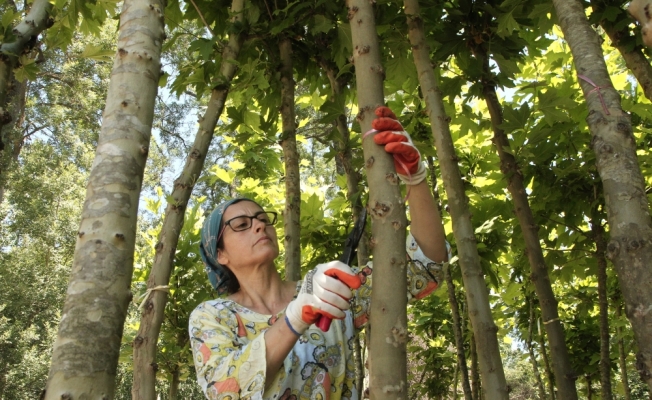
(350, 246)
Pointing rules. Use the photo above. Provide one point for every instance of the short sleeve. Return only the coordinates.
(226, 362)
(423, 277)
(423, 274)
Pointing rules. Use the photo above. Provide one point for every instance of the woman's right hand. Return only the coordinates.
(326, 290)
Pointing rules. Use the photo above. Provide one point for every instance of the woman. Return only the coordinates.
(259, 342)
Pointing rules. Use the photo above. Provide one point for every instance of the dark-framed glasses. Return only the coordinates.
(244, 222)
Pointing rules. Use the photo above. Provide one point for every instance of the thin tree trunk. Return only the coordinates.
(546, 363)
(85, 355)
(605, 360)
(630, 246)
(12, 139)
(634, 57)
(30, 27)
(387, 344)
(589, 388)
(533, 357)
(357, 359)
(145, 342)
(622, 356)
(538, 268)
(291, 216)
(457, 330)
(346, 158)
(484, 328)
(11, 90)
(457, 373)
(173, 391)
(475, 374)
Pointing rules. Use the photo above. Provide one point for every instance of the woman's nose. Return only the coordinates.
(258, 225)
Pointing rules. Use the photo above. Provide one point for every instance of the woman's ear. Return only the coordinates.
(221, 257)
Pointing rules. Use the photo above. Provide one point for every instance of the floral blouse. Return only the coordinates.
(229, 348)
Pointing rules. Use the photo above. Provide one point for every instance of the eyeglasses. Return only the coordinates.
(244, 222)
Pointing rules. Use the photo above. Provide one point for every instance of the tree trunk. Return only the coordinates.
(475, 374)
(533, 357)
(30, 27)
(12, 139)
(546, 363)
(565, 377)
(484, 328)
(589, 387)
(457, 330)
(85, 355)
(630, 246)
(346, 158)
(145, 342)
(634, 57)
(387, 343)
(622, 356)
(457, 372)
(173, 392)
(605, 359)
(291, 215)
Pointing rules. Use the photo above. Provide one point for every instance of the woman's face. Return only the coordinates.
(256, 245)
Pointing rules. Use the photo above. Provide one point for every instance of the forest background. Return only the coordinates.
(52, 117)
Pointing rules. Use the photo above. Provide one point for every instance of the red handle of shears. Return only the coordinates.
(324, 323)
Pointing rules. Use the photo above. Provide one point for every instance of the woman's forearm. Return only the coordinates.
(426, 225)
(279, 341)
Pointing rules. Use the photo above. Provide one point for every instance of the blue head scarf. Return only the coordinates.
(210, 231)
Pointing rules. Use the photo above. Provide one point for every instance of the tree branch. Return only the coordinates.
(202, 18)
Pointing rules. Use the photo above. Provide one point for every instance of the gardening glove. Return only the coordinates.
(397, 142)
(326, 290)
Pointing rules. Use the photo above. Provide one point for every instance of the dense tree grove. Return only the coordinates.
(535, 118)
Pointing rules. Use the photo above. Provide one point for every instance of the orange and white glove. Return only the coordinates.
(397, 142)
(326, 290)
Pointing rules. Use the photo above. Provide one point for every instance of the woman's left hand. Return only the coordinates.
(398, 143)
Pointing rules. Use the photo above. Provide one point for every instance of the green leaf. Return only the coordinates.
(8, 17)
(97, 53)
(321, 24)
(506, 24)
(28, 70)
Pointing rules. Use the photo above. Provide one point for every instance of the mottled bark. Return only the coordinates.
(145, 342)
(597, 233)
(533, 357)
(482, 322)
(457, 330)
(85, 355)
(614, 145)
(291, 215)
(565, 376)
(622, 356)
(345, 157)
(633, 56)
(387, 344)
